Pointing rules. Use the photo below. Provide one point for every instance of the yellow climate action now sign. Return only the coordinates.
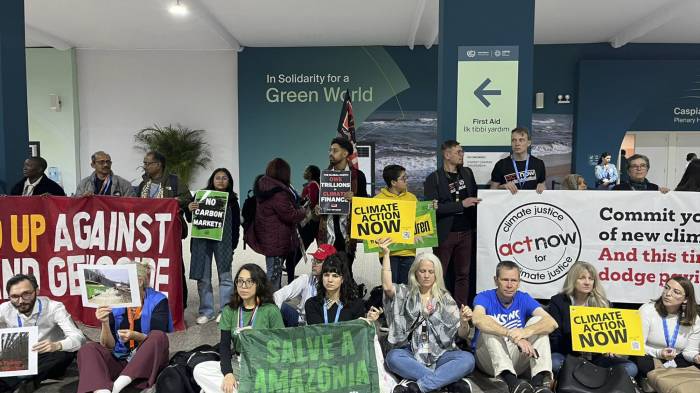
(606, 330)
(379, 218)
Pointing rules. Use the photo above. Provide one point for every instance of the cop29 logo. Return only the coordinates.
(541, 238)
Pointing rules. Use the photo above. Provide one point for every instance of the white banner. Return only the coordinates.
(635, 239)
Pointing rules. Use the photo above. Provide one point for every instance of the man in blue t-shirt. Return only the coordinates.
(512, 334)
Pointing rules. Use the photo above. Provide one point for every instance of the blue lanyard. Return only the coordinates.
(671, 343)
(523, 179)
(325, 312)
(240, 317)
(19, 321)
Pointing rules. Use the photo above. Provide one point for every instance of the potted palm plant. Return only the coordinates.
(185, 149)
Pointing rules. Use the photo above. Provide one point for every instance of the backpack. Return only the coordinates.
(177, 377)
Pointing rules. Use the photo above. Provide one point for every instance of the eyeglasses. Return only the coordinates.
(640, 166)
(103, 162)
(29, 295)
(245, 283)
(146, 163)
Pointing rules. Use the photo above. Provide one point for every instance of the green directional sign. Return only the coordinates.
(487, 94)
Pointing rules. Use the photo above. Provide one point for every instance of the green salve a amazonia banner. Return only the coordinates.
(335, 358)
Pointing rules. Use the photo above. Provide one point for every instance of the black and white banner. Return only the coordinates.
(635, 239)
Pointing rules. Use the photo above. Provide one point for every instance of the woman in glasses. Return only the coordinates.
(671, 328)
(251, 307)
(203, 249)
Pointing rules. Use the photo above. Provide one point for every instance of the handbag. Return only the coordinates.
(578, 375)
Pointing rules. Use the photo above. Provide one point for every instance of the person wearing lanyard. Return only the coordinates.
(103, 181)
(671, 329)
(303, 287)
(520, 170)
(58, 337)
(424, 322)
(251, 307)
(133, 346)
(335, 301)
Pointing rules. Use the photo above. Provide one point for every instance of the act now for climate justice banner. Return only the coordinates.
(635, 239)
(336, 358)
(50, 237)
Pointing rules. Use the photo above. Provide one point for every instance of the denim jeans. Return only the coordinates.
(602, 361)
(203, 251)
(274, 271)
(399, 268)
(290, 315)
(451, 367)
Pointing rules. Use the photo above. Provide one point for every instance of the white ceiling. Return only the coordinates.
(228, 24)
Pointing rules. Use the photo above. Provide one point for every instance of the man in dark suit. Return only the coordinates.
(34, 181)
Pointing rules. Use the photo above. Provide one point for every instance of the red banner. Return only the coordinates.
(50, 236)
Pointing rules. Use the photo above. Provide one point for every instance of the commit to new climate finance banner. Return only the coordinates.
(636, 239)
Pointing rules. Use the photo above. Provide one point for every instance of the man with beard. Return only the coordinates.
(335, 229)
(34, 181)
(58, 340)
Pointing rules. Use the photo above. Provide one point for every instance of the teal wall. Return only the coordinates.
(51, 71)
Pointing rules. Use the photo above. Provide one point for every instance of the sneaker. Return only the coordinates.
(461, 386)
(202, 319)
(522, 387)
(406, 386)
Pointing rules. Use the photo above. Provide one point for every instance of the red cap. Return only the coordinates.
(323, 251)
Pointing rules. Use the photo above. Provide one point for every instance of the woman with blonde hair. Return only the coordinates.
(574, 182)
(581, 288)
(424, 322)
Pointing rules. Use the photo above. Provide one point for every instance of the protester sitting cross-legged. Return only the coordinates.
(336, 298)
(424, 322)
(203, 249)
(58, 338)
(512, 334)
(302, 288)
(574, 182)
(251, 307)
(581, 288)
(133, 346)
(671, 329)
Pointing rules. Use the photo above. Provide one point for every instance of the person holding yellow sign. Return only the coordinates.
(397, 189)
(581, 288)
(671, 328)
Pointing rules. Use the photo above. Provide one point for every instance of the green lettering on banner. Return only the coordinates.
(312, 359)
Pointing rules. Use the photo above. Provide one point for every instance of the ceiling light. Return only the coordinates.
(178, 9)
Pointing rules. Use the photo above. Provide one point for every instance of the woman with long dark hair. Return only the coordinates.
(204, 249)
(274, 231)
(671, 328)
(251, 307)
(605, 172)
(336, 297)
(691, 177)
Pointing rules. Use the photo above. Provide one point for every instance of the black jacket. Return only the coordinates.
(436, 186)
(560, 338)
(628, 187)
(45, 186)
